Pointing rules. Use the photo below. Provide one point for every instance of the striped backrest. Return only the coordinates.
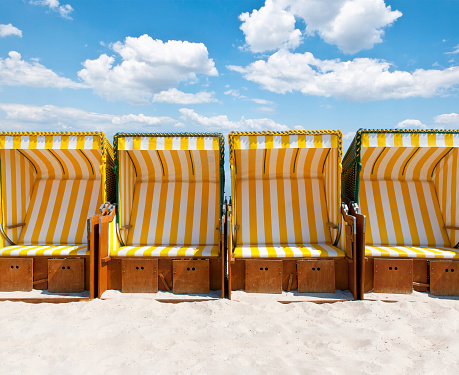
(169, 188)
(52, 182)
(59, 210)
(405, 187)
(285, 186)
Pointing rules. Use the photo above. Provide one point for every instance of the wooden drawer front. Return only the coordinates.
(190, 277)
(316, 276)
(444, 277)
(66, 275)
(139, 275)
(16, 274)
(393, 276)
(263, 276)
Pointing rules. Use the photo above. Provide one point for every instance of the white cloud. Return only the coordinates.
(361, 79)
(175, 96)
(238, 95)
(269, 28)
(63, 10)
(6, 30)
(222, 123)
(411, 123)
(16, 72)
(351, 25)
(448, 118)
(49, 117)
(349, 135)
(148, 66)
(456, 50)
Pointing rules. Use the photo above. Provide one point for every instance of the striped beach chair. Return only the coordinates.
(51, 184)
(405, 182)
(286, 215)
(166, 231)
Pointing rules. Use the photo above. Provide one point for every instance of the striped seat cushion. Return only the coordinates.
(58, 212)
(402, 213)
(45, 250)
(320, 250)
(167, 251)
(175, 213)
(411, 252)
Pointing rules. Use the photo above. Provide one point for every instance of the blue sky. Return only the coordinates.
(217, 66)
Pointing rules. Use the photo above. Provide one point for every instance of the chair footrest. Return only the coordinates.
(393, 276)
(316, 276)
(139, 275)
(444, 278)
(16, 274)
(66, 275)
(263, 276)
(190, 277)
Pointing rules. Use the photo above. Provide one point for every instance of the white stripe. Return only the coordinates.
(277, 141)
(244, 142)
(372, 140)
(24, 141)
(128, 143)
(260, 211)
(144, 143)
(168, 211)
(176, 143)
(72, 143)
(208, 143)
(192, 141)
(326, 141)
(56, 142)
(406, 139)
(310, 141)
(293, 139)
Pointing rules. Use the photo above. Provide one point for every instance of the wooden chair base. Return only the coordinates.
(444, 278)
(171, 275)
(16, 274)
(263, 276)
(440, 277)
(139, 276)
(57, 275)
(304, 275)
(191, 277)
(66, 275)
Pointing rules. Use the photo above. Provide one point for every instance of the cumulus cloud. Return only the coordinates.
(351, 25)
(349, 135)
(148, 66)
(448, 119)
(49, 117)
(9, 29)
(411, 124)
(174, 96)
(63, 10)
(269, 28)
(360, 79)
(222, 123)
(16, 72)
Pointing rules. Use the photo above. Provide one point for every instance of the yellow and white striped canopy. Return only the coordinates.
(169, 191)
(285, 188)
(51, 183)
(408, 188)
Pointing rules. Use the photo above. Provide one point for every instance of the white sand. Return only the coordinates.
(128, 335)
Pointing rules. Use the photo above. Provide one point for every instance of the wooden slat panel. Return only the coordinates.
(393, 276)
(139, 275)
(66, 275)
(16, 274)
(40, 272)
(263, 276)
(191, 276)
(444, 278)
(316, 276)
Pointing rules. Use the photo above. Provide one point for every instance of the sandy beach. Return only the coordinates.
(128, 334)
